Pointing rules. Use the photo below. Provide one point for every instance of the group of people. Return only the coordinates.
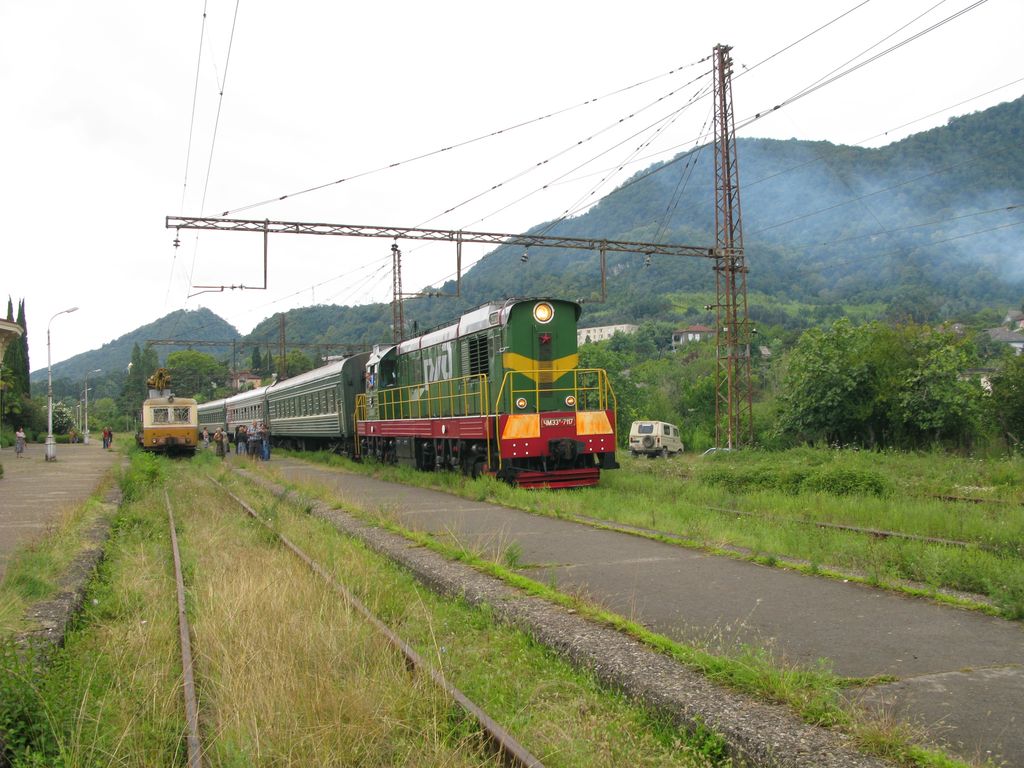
(20, 439)
(253, 441)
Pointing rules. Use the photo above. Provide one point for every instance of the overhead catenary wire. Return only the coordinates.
(827, 80)
(188, 149)
(887, 131)
(580, 204)
(192, 118)
(779, 52)
(578, 143)
(826, 25)
(585, 200)
(658, 124)
(463, 143)
(222, 84)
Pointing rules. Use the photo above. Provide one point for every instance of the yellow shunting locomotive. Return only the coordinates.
(169, 424)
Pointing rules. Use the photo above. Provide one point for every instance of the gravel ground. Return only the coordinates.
(757, 734)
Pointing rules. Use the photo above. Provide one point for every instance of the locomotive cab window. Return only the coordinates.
(161, 416)
(182, 415)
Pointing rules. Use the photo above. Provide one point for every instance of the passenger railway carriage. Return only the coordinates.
(499, 391)
(246, 408)
(213, 415)
(315, 409)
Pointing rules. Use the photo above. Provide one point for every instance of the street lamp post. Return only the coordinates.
(85, 431)
(51, 445)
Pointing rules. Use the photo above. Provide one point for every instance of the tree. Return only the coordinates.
(143, 364)
(256, 365)
(195, 373)
(1008, 399)
(936, 399)
(828, 392)
(296, 362)
(63, 418)
(16, 359)
(102, 413)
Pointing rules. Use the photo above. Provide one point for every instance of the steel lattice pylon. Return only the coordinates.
(734, 425)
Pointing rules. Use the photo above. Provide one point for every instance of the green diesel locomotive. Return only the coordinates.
(499, 391)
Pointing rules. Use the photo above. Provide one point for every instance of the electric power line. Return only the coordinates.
(464, 143)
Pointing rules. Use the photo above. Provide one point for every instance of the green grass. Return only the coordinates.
(766, 503)
(562, 715)
(34, 571)
(815, 693)
(287, 675)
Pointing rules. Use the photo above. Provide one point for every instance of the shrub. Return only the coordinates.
(841, 481)
(144, 472)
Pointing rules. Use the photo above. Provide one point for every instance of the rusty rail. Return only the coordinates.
(194, 746)
(509, 751)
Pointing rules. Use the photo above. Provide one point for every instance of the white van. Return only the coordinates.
(654, 438)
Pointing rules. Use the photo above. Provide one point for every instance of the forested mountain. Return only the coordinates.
(199, 324)
(924, 229)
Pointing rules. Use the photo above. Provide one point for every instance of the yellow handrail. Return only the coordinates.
(590, 388)
(464, 396)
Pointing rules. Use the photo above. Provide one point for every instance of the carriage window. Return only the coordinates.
(183, 415)
(161, 415)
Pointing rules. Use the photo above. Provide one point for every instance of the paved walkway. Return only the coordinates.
(961, 673)
(34, 492)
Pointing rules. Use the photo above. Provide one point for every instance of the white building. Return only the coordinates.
(691, 334)
(602, 332)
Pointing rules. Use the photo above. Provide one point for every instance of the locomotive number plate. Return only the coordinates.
(560, 421)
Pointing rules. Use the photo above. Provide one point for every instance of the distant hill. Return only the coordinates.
(199, 324)
(926, 228)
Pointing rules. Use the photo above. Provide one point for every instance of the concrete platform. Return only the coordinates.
(34, 492)
(961, 673)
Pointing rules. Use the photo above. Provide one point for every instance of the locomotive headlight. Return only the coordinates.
(543, 312)
(570, 401)
(520, 402)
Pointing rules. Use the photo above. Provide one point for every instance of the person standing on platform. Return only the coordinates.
(264, 441)
(219, 440)
(240, 439)
(19, 442)
(254, 441)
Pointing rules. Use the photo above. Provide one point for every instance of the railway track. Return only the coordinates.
(507, 749)
(877, 533)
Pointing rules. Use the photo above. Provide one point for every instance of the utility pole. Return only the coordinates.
(397, 314)
(281, 372)
(734, 424)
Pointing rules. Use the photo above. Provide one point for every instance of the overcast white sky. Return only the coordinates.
(98, 110)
